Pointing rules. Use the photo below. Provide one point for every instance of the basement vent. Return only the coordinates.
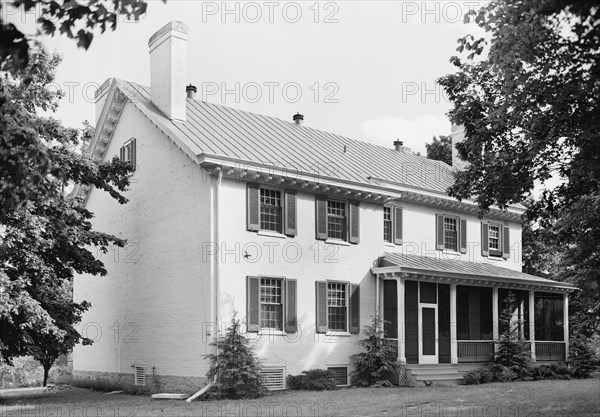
(273, 378)
(139, 375)
(340, 374)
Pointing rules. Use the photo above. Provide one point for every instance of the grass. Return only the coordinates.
(537, 398)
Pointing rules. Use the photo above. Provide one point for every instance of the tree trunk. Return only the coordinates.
(46, 372)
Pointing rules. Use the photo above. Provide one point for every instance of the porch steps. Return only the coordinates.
(445, 374)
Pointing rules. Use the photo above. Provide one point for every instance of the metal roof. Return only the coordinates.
(222, 131)
(460, 268)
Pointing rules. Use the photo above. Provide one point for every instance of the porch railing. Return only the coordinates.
(475, 351)
(549, 351)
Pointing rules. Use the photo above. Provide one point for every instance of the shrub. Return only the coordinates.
(505, 375)
(478, 376)
(313, 380)
(582, 358)
(235, 366)
(378, 360)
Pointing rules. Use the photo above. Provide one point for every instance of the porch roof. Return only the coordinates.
(459, 271)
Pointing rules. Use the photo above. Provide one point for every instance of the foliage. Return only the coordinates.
(312, 380)
(106, 385)
(378, 359)
(528, 98)
(582, 358)
(76, 20)
(478, 376)
(235, 365)
(46, 235)
(512, 358)
(440, 149)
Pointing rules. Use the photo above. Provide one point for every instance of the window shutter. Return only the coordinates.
(354, 221)
(484, 240)
(290, 213)
(321, 323)
(133, 154)
(354, 309)
(291, 315)
(506, 242)
(253, 304)
(122, 154)
(439, 232)
(463, 236)
(397, 225)
(321, 217)
(252, 207)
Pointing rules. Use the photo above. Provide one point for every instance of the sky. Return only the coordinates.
(362, 69)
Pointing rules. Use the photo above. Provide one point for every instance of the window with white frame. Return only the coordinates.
(387, 224)
(451, 233)
(271, 303)
(128, 152)
(494, 240)
(337, 306)
(270, 210)
(336, 219)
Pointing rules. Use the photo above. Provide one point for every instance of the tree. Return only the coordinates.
(46, 238)
(528, 99)
(23, 156)
(440, 149)
(235, 366)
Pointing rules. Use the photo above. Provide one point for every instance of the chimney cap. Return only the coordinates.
(398, 142)
(170, 28)
(298, 116)
(191, 88)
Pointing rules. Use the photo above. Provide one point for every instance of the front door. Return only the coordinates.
(428, 334)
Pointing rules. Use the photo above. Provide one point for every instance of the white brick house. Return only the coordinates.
(307, 234)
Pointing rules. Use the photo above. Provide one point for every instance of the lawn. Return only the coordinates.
(553, 398)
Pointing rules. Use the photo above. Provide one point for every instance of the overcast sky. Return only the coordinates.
(366, 70)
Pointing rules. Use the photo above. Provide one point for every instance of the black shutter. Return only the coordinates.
(252, 207)
(321, 217)
(133, 154)
(463, 236)
(122, 154)
(354, 221)
(506, 242)
(253, 304)
(290, 214)
(354, 308)
(321, 297)
(484, 240)
(439, 239)
(291, 315)
(397, 225)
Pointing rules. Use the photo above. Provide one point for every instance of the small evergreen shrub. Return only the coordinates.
(378, 360)
(478, 376)
(312, 380)
(582, 358)
(235, 365)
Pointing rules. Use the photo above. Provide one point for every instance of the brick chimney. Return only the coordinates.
(168, 69)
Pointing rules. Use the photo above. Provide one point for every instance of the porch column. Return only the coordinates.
(400, 304)
(453, 324)
(532, 323)
(495, 324)
(566, 323)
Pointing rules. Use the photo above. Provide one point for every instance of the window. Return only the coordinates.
(549, 324)
(340, 374)
(270, 210)
(128, 153)
(474, 313)
(336, 219)
(271, 303)
(450, 233)
(336, 306)
(495, 240)
(387, 224)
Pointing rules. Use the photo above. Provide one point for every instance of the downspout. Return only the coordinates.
(218, 250)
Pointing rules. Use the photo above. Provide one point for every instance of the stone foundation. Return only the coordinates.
(154, 383)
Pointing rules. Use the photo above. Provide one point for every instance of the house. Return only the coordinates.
(305, 233)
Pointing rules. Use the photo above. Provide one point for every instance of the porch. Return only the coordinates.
(446, 311)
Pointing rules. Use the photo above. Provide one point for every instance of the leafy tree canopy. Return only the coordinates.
(529, 101)
(440, 149)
